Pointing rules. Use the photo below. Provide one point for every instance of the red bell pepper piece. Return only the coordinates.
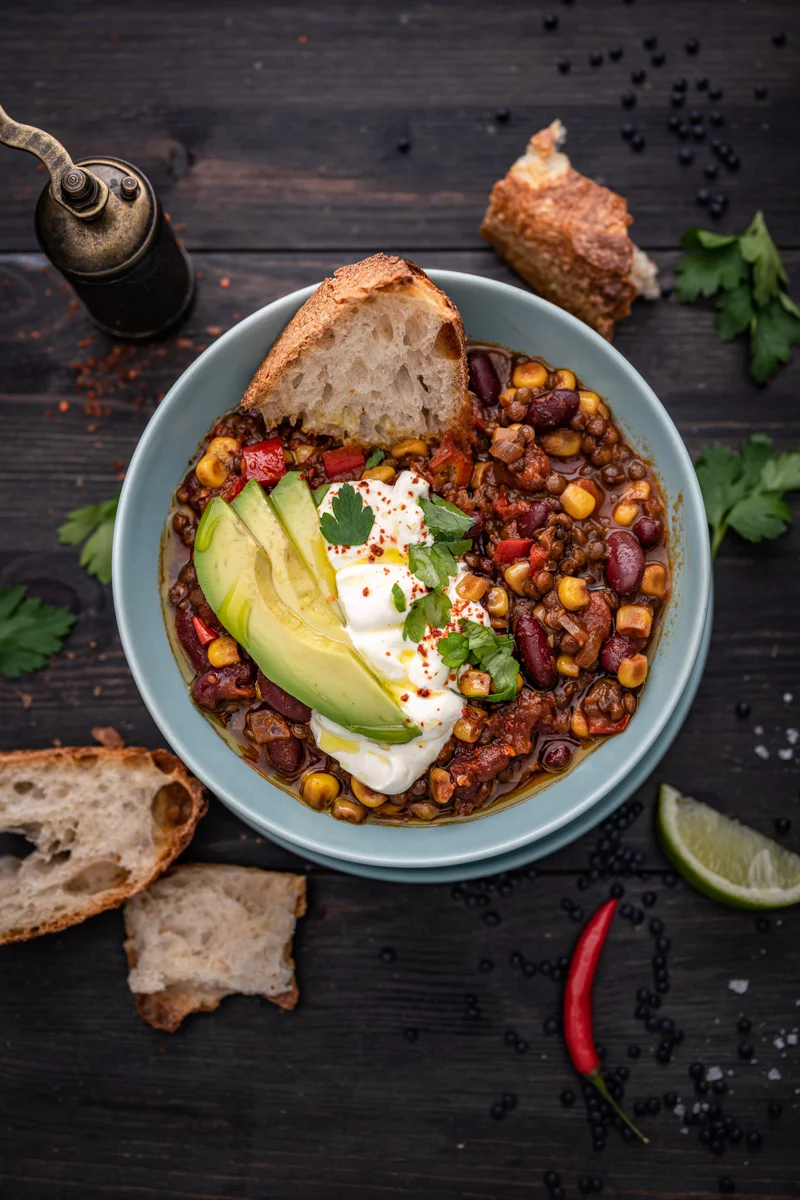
(450, 463)
(342, 462)
(264, 461)
(204, 634)
(538, 559)
(511, 548)
(233, 488)
(602, 726)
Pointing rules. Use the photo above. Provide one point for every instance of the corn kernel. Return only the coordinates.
(578, 502)
(384, 473)
(639, 490)
(479, 474)
(497, 602)
(635, 620)
(572, 593)
(566, 665)
(475, 684)
(319, 789)
(654, 581)
(366, 795)
(472, 587)
(626, 512)
(520, 682)
(590, 403)
(389, 809)
(632, 672)
(468, 727)
(409, 447)
(563, 379)
(223, 652)
(441, 785)
(603, 409)
(303, 453)
(211, 471)
(529, 374)
(516, 576)
(223, 447)
(348, 810)
(578, 725)
(561, 443)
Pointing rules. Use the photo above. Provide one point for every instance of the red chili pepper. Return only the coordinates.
(602, 726)
(233, 488)
(342, 462)
(204, 634)
(538, 558)
(264, 461)
(450, 463)
(578, 1005)
(511, 548)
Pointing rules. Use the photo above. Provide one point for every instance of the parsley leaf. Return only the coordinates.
(454, 650)
(481, 647)
(320, 493)
(444, 520)
(375, 459)
(431, 609)
(94, 525)
(352, 519)
(414, 624)
(399, 597)
(747, 276)
(743, 491)
(30, 631)
(434, 565)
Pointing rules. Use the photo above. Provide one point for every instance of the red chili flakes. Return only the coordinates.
(302, 40)
(225, 283)
(63, 406)
(404, 697)
(423, 692)
(213, 330)
(376, 549)
(365, 592)
(119, 464)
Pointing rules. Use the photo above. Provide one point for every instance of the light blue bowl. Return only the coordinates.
(215, 383)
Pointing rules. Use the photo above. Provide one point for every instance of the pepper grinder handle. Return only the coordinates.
(77, 190)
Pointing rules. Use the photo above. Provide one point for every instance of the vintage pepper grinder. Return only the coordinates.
(101, 224)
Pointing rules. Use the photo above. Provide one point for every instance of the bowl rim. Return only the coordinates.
(397, 855)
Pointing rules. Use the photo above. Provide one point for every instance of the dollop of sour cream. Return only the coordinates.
(415, 674)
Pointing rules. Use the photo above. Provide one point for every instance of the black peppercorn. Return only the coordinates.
(568, 1098)
(715, 93)
(497, 1111)
(711, 170)
(677, 99)
(744, 1026)
(782, 826)
(760, 91)
(563, 65)
(628, 99)
(692, 46)
(638, 76)
(774, 1110)
(745, 1050)
(679, 85)
(403, 146)
(743, 709)
(754, 1139)
(615, 53)
(550, 21)
(503, 116)
(658, 59)
(650, 42)
(779, 39)
(595, 59)
(701, 83)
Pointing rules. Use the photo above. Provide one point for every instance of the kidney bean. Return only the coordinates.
(553, 409)
(535, 653)
(615, 649)
(625, 563)
(281, 701)
(556, 756)
(533, 519)
(188, 638)
(224, 683)
(648, 531)
(285, 755)
(483, 380)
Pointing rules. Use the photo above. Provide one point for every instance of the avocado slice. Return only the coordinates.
(293, 581)
(292, 500)
(236, 575)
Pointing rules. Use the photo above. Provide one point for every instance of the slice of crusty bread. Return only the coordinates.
(567, 236)
(377, 354)
(104, 823)
(205, 931)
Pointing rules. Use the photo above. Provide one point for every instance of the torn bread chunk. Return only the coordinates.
(205, 931)
(102, 824)
(377, 354)
(567, 236)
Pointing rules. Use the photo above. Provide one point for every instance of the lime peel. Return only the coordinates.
(724, 859)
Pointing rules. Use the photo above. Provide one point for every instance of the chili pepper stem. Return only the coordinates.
(596, 1079)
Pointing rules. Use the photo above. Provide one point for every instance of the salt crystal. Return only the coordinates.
(761, 751)
(787, 697)
(696, 1107)
(773, 1073)
(713, 1073)
(791, 1039)
(739, 986)
(792, 735)
(680, 1110)
(758, 730)
(786, 754)
(778, 1043)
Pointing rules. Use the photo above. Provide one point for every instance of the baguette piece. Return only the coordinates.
(204, 931)
(377, 354)
(567, 236)
(104, 822)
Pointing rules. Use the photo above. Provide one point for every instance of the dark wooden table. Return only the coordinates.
(271, 132)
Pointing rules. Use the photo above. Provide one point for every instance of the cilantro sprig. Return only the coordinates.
(479, 646)
(445, 521)
(375, 459)
(30, 631)
(399, 597)
(744, 491)
(747, 276)
(93, 525)
(351, 522)
(431, 609)
(436, 564)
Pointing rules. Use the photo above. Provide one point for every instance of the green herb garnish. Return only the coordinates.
(433, 565)
(432, 609)
(94, 525)
(479, 646)
(444, 520)
(743, 491)
(399, 597)
(320, 493)
(748, 278)
(352, 519)
(30, 631)
(375, 459)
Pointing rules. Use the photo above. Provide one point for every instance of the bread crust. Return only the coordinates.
(564, 234)
(175, 839)
(166, 1010)
(335, 299)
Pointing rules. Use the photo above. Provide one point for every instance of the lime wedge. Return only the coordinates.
(723, 858)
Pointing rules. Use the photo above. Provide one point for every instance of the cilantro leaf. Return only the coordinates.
(445, 520)
(454, 649)
(399, 597)
(94, 525)
(375, 459)
(709, 271)
(743, 492)
(481, 647)
(734, 312)
(351, 521)
(758, 248)
(774, 331)
(760, 515)
(414, 624)
(504, 671)
(782, 473)
(437, 608)
(432, 565)
(320, 493)
(30, 631)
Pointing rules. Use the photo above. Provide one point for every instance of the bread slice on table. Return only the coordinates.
(205, 931)
(104, 824)
(567, 236)
(377, 354)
